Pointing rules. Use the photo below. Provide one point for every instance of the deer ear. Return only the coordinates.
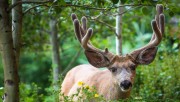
(97, 59)
(147, 55)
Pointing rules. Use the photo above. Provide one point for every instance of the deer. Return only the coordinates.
(117, 80)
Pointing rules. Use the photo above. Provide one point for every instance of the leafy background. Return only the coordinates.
(158, 81)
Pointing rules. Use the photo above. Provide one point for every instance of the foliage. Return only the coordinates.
(84, 93)
(30, 93)
(31, 66)
(158, 81)
(2, 91)
(1, 72)
(52, 93)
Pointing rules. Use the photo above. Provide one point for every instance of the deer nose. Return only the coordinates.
(126, 84)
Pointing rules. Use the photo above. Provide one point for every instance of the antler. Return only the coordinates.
(151, 47)
(95, 56)
(100, 58)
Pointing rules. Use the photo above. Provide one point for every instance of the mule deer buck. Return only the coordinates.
(116, 81)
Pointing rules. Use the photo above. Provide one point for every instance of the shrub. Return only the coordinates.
(159, 80)
(30, 93)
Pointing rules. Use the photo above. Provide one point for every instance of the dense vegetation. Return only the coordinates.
(158, 81)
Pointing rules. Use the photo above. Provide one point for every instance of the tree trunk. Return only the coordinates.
(55, 52)
(11, 92)
(17, 29)
(119, 30)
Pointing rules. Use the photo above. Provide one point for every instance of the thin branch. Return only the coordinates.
(107, 8)
(44, 31)
(28, 2)
(108, 25)
(71, 62)
(102, 22)
(95, 18)
(125, 11)
(26, 11)
(70, 5)
(90, 7)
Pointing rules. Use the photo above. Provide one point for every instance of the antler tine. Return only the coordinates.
(95, 56)
(77, 29)
(84, 25)
(155, 42)
(84, 31)
(162, 25)
(81, 33)
(159, 9)
(80, 30)
(158, 30)
(157, 33)
(73, 16)
(76, 26)
(158, 24)
(86, 38)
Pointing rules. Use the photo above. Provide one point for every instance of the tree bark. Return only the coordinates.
(11, 90)
(119, 30)
(17, 28)
(55, 51)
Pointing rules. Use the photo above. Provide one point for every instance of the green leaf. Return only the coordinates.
(142, 1)
(100, 3)
(123, 1)
(145, 10)
(171, 13)
(61, 2)
(67, 1)
(115, 1)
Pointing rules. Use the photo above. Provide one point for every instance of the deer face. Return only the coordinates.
(123, 72)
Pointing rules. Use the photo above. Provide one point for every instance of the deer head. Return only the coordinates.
(122, 67)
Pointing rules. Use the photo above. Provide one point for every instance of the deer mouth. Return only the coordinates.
(125, 90)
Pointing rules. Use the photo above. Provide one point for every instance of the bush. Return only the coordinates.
(30, 93)
(85, 93)
(159, 80)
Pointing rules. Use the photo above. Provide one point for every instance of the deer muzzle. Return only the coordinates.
(125, 85)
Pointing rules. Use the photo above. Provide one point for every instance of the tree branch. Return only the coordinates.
(108, 25)
(107, 8)
(27, 10)
(28, 2)
(44, 31)
(69, 5)
(102, 22)
(126, 11)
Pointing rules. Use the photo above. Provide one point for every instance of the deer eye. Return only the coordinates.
(132, 67)
(113, 69)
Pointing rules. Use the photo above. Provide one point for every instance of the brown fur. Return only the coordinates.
(103, 80)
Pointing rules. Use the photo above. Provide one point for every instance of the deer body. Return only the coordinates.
(116, 81)
(102, 80)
